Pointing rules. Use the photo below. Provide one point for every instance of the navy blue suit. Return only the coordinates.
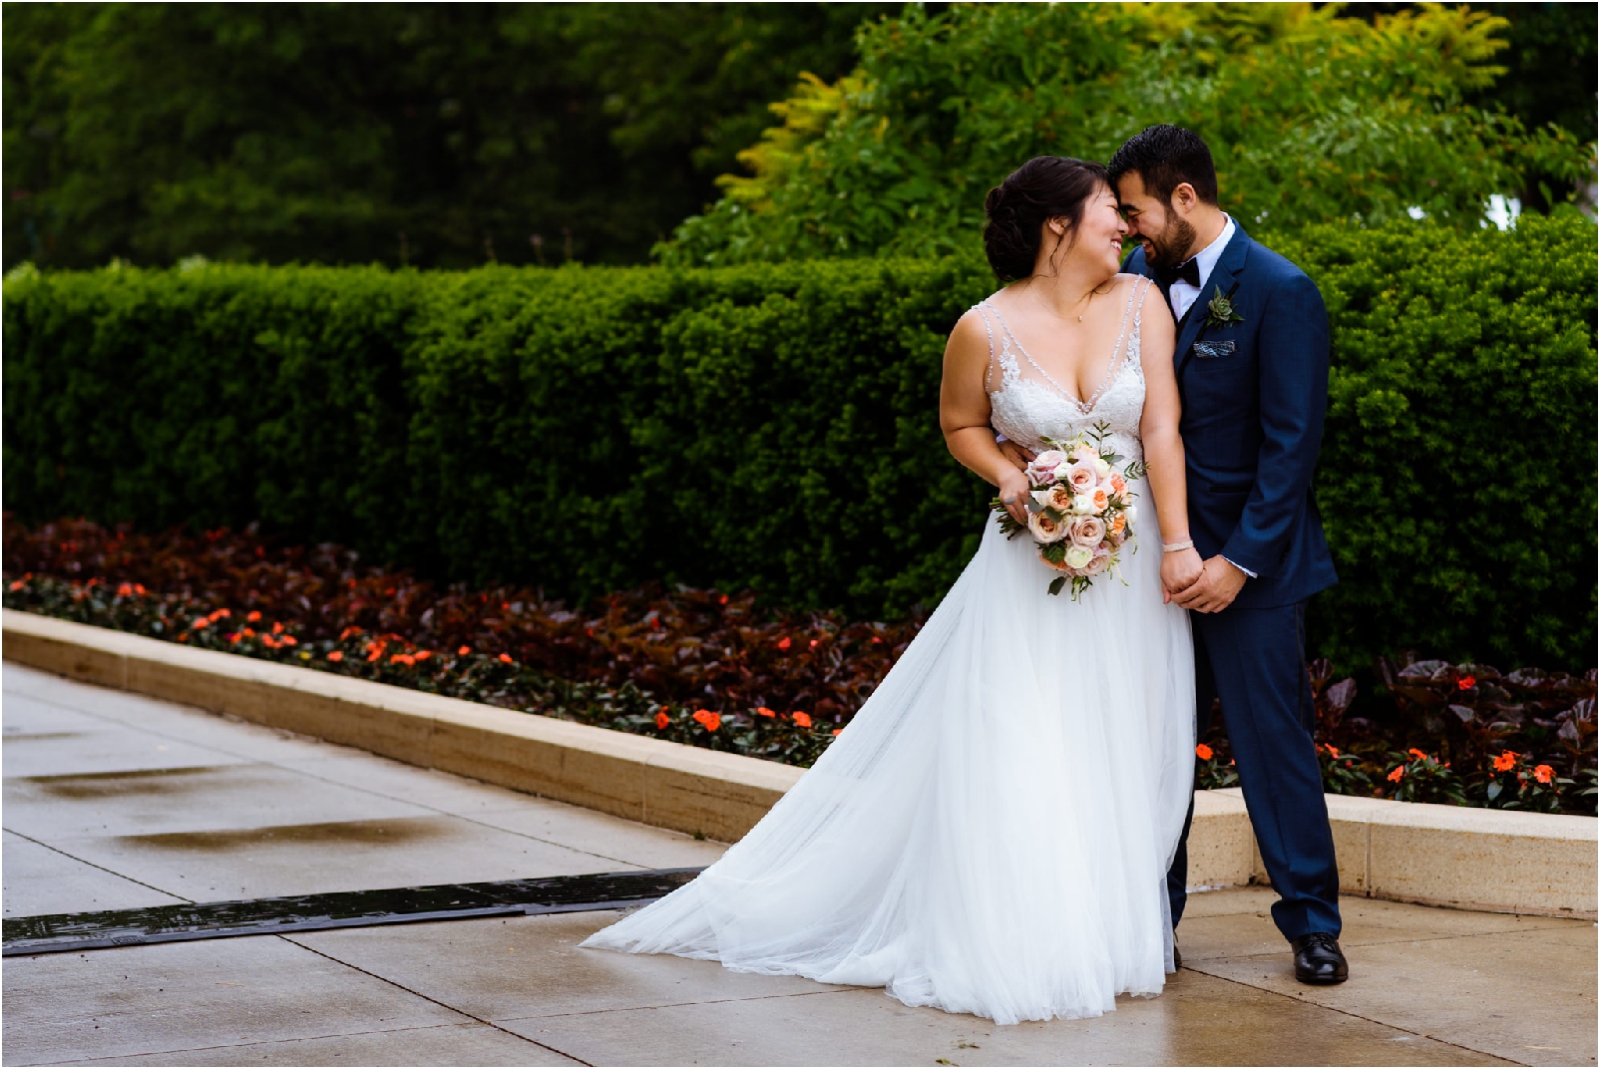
(1254, 396)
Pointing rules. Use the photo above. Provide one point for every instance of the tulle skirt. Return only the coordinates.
(991, 833)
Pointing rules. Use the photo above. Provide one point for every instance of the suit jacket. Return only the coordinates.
(1254, 397)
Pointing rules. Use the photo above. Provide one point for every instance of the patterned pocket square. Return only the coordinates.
(1213, 349)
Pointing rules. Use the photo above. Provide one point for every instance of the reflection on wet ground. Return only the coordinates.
(119, 783)
(347, 832)
(347, 909)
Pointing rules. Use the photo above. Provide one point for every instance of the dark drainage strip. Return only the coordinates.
(57, 933)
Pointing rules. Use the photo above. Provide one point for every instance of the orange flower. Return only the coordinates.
(346, 633)
(723, 600)
(220, 614)
(1466, 682)
(505, 658)
(764, 711)
(662, 720)
(1544, 773)
(1203, 752)
(253, 617)
(248, 633)
(802, 719)
(1399, 771)
(18, 585)
(375, 652)
(200, 623)
(707, 719)
(837, 730)
(290, 640)
(784, 643)
(138, 588)
(1333, 751)
(277, 629)
(269, 642)
(234, 638)
(463, 651)
(423, 655)
(1506, 761)
(813, 643)
(123, 589)
(402, 658)
(335, 656)
(1418, 754)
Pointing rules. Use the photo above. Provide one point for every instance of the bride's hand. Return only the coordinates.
(1014, 489)
(1179, 571)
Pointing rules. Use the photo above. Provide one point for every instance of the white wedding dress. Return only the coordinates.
(991, 833)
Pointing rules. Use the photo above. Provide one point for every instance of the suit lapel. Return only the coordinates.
(1230, 265)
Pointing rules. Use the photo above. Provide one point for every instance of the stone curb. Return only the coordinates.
(1438, 855)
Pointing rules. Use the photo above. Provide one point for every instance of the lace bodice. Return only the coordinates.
(1027, 405)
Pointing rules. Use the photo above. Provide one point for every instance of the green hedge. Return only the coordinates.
(776, 426)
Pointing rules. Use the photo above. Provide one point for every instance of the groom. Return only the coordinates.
(1252, 368)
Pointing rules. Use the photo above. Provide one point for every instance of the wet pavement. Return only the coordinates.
(115, 802)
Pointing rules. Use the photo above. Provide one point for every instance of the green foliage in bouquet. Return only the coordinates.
(1311, 117)
(775, 426)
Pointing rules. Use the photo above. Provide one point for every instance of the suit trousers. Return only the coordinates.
(1254, 661)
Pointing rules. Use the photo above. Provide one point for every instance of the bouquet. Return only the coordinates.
(1080, 510)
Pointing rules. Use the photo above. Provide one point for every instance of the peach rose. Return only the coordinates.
(1085, 452)
(1087, 531)
(1118, 483)
(1059, 498)
(1099, 500)
(1118, 523)
(1044, 529)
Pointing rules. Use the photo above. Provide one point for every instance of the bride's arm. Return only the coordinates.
(964, 415)
(1163, 448)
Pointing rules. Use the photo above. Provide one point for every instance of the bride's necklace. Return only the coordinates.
(1086, 297)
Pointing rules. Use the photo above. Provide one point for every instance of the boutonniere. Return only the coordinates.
(1221, 309)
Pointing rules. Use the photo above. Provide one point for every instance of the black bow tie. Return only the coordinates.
(1188, 271)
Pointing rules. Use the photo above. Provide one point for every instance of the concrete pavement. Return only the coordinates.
(114, 801)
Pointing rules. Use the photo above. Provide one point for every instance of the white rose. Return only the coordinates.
(1082, 505)
(1078, 556)
(1132, 512)
(1042, 497)
(1101, 468)
(1046, 530)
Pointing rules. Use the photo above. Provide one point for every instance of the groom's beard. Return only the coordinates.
(1171, 247)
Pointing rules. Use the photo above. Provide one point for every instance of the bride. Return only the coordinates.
(991, 833)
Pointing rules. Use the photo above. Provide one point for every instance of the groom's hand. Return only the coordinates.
(1219, 583)
(1018, 456)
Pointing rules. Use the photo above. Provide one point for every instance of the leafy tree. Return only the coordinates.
(430, 134)
(1312, 117)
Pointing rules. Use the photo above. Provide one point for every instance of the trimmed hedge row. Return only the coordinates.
(775, 426)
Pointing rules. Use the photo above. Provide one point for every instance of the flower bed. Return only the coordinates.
(718, 670)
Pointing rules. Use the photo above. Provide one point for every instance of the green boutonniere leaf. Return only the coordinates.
(1222, 312)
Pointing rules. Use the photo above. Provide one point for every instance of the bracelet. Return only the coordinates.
(1174, 547)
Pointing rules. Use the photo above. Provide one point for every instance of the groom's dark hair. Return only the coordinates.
(1166, 157)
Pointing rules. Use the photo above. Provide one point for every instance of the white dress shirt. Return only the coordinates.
(1184, 295)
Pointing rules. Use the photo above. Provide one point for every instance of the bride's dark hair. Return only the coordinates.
(1046, 187)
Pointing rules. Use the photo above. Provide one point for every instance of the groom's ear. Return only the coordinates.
(1184, 199)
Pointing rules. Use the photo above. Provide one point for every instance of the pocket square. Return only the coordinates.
(1212, 349)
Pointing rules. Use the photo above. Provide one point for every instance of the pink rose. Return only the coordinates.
(1085, 452)
(1042, 468)
(1099, 562)
(1087, 531)
(1081, 477)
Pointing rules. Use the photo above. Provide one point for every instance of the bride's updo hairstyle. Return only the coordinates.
(1046, 187)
